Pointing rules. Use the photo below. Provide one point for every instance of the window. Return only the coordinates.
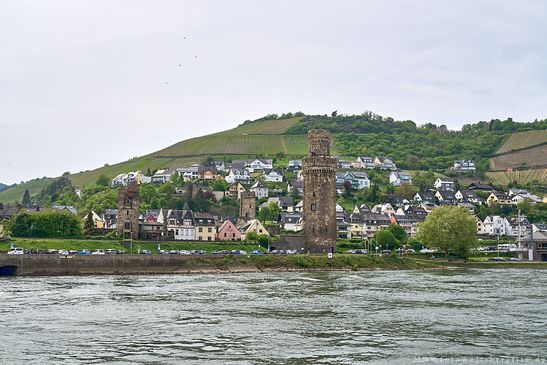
(313, 207)
(209, 230)
(200, 229)
(224, 234)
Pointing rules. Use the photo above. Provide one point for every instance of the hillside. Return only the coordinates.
(426, 147)
(521, 140)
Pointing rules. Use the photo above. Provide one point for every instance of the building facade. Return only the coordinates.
(128, 211)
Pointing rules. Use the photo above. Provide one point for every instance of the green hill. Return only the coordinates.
(426, 147)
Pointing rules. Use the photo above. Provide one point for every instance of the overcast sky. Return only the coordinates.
(84, 83)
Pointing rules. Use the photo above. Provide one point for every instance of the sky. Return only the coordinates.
(84, 83)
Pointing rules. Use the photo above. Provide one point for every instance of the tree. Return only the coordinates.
(398, 232)
(384, 238)
(26, 198)
(263, 240)
(251, 236)
(449, 228)
(89, 225)
(103, 180)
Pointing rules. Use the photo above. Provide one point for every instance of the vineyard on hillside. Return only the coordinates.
(523, 177)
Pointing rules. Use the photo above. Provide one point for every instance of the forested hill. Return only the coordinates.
(425, 147)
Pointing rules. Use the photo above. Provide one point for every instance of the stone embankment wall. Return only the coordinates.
(107, 264)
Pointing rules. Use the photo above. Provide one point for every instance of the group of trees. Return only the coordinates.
(46, 224)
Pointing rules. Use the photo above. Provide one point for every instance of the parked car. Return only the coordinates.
(498, 259)
(73, 252)
(222, 252)
(16, 251)
(98, 252)
(256, 253)
(146, 252)
(52, 251)
(84, 252)
(514, 259)
(63, 252)
(110, 251)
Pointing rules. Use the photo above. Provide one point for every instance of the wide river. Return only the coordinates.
(382, 317)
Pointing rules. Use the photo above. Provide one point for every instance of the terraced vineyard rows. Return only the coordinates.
(522, 140)
(520, 177)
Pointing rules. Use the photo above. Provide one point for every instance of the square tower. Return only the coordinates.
(127, 224)
(247, 207)
(319, 205)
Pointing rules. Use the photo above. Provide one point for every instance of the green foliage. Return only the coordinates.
(385, 239)
(26, 198)
(449, 228)
(269, 213)
(398, 232)
(89, 225)
(46, 224)
(103, 180)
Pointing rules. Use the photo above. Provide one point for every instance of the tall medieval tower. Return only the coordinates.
(319, 174)
(247, 207)
(128, 212)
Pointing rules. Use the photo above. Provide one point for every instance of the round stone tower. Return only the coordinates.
(319, 179)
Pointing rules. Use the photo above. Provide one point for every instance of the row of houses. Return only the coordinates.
(184, 225)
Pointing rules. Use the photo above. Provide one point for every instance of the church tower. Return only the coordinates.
(319, 178)
(128, 212)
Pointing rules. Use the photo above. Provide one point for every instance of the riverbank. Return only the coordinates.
(57, 265)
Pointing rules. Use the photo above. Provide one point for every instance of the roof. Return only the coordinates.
(479, 186)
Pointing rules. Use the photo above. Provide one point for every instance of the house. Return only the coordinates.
(467, 205)
(482, 187)
(110, 218)
(398, 178)
(446, 197)
(464, 165)
(364, 162)
(180, 225)
(205, 229)
(162, 176)
(190, 173)
(295, 186)
(254, 165)
(355, 224)
(385, 208)
(241, 175)
(286, 203)
(498, 198)
(343, 164)
(298, 208)
(342, 227)
(358, 180)
(187, 232)
(373, 222)
(228, 231)
(424, 197)
(408, 222)
(235, 190)
(480, 227)
(272, 175)
(294, 165)
(494, 226)
(291, 221)
(64, 208)
(252, 226)
(526, 196)
(150, 231)
(467, 196)
(98, 222)
(133, 177)
(219, 165)
(384, 163)
(207, 173)
(444, 184)
(513, 192)
(518, 227)
(260, 190)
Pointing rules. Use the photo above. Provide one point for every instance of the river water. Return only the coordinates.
(382, 317)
